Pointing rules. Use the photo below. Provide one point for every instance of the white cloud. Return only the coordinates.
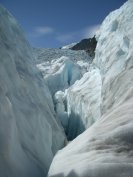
(64, 37)
(42, 31)
(91, 30)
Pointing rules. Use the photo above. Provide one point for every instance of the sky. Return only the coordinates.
(55, 23)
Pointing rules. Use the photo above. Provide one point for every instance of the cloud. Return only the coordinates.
(42, 31)
(64, 37)
(91, 30)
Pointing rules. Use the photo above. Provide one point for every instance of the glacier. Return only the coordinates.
(103, 100)
(30, 132)
(65, 106)
(61, 69)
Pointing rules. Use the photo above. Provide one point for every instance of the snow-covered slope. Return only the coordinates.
(106, 148)
(29, 133)
(69, 46)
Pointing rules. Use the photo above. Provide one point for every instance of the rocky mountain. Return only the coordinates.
(89, 45)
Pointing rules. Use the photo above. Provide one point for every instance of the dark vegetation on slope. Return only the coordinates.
(89, 45)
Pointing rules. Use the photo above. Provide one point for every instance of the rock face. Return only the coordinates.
(29, 133)
(106, 148)
(89, 45)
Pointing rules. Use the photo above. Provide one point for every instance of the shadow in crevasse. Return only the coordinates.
(75, 126)
(71, 174)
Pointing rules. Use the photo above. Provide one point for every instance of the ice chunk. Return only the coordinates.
(60, 107)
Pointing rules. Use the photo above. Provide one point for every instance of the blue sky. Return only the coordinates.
(54, 23)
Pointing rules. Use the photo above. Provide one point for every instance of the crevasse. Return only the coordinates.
(105, 148)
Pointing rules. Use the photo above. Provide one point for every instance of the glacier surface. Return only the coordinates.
(61, 68)
(105, 149)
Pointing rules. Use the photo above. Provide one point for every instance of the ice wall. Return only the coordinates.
(106, 148)
(29, 133)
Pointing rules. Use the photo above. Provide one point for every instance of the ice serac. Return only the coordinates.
(29, 133)
(59, 74)
(106, 148)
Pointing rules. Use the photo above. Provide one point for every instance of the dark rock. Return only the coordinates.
(89, 45)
